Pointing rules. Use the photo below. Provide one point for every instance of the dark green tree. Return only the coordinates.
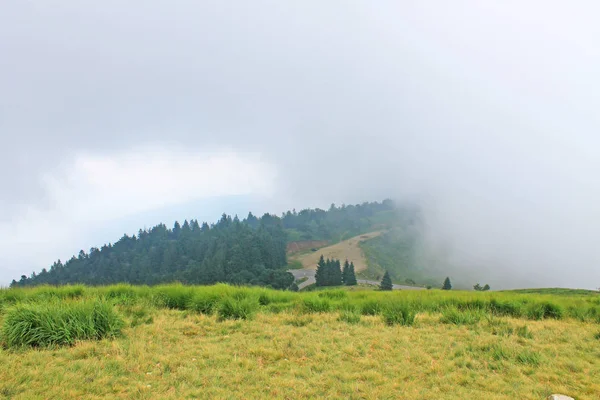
(477, 287)
(386, 282)
(321, 273)
(336, 273)
(345, 272)
(486, 288)
(447, 284)
(351, 279)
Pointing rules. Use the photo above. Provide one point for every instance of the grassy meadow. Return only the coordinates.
(174, 341)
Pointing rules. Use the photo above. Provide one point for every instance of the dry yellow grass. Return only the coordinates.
(348, 249)
(284, 356)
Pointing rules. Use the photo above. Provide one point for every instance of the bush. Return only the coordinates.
(57, 324)
(398, 313)
(231, 308)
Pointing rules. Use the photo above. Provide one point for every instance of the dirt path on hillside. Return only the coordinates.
(348, 249)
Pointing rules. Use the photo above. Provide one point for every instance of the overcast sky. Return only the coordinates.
(117, 115)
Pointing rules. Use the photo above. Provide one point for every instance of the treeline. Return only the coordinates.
(251, 251)
(330, 273)
(342, 222)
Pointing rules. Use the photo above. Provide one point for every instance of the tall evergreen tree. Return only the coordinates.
(321, 273)
(386, 282)
(447, 284)
(351, 279)
(336, 273)
(345, 272)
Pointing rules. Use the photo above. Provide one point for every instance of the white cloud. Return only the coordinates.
(93, 189)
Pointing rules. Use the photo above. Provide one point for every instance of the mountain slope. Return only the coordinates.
(346, 250)
(250, 251)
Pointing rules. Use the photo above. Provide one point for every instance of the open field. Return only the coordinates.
(226, 342)
(347, 249)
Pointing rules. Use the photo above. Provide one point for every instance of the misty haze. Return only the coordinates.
(415, 146)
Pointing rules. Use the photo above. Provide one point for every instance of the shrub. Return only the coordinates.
(398, 313)
(56, 324)
(231, 308)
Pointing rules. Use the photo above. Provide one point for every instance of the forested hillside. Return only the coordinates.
(249, 251)
(344, 222)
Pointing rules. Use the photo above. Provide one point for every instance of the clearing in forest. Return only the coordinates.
(348, 249)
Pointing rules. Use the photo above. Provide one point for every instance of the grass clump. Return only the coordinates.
(351, 317)
(506, 308)
(316, 305)
(204, 302)
(453, 316)
(333, 294)
(173, 296)
(232, 308)
(371, 307)
(299, 320)
(544, 310)
(398, 314)
(524, 332)
(529, 357)
(59, 324)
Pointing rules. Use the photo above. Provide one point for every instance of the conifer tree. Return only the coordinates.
(447, 284)
(336, 273)
(345, 272)
(321, 274)
(351, 280)
(386, 282)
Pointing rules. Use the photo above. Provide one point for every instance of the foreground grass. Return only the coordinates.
(289, 355)
(228, 342)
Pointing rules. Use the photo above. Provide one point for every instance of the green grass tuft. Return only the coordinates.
(58, 324)
(316, 305)
(398, 314)
(232, 308)
(351, 317)
(453, 316)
